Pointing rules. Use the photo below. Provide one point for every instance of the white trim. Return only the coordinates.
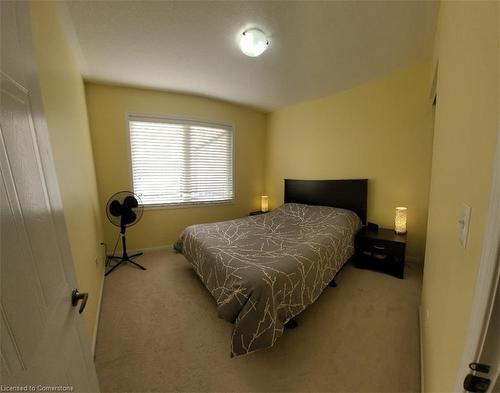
(191, 205)
(414, 259)
(182, 118)
(44, 148)
(421, 338)
(146, 249)
(98, 316)
(150, 249)
(486, 281)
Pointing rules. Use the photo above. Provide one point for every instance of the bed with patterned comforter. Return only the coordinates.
(263, 270)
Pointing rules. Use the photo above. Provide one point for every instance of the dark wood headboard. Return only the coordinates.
(346, 194)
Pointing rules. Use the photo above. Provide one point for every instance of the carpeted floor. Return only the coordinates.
(159, 332)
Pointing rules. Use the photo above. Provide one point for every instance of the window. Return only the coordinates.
(181, 161)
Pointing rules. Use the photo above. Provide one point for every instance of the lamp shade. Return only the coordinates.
(400, 220)
(264, 203)
(253, 42)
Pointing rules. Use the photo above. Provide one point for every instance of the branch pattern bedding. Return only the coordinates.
(264, 270)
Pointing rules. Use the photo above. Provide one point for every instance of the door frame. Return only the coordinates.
(487, 280)
(42, 138)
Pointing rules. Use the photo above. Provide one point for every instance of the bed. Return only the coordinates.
(263, 270)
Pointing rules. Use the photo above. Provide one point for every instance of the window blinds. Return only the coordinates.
(181, 161)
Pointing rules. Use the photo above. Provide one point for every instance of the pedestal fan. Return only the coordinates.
(124, 209)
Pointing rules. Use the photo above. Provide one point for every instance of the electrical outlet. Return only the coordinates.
(463, 225)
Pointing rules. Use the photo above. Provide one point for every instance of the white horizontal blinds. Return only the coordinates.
(209, 174)
(158, 165)
(181, 162)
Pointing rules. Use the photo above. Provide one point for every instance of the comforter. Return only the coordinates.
(263, 270)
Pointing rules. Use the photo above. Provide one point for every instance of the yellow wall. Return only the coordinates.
(465, 135)
(108, 106)
(381, 130)
(64, 104)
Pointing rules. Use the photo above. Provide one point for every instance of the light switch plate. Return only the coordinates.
(463, 225)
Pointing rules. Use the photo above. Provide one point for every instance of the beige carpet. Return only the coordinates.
(159, 331)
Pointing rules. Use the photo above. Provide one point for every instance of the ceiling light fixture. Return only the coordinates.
(253, 42)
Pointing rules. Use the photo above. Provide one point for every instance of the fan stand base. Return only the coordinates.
(125, 259)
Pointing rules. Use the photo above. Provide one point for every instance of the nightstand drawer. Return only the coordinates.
(387, 263)
(375, 246)
(380, 250)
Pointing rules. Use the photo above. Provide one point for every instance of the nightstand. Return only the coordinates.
(382, 250)
(256, 213)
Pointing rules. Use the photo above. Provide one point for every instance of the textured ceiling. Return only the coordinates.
(316, 48)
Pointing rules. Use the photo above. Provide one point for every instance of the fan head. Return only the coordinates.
(124, 209)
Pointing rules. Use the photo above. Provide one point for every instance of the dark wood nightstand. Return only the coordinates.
(256, 213)
(380, 250)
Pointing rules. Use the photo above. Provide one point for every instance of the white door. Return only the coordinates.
(42, 338)
(482, 345)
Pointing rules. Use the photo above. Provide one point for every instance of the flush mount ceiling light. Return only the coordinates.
(253, 42)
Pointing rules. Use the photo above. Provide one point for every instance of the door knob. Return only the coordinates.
(77, 296)
(474, 383)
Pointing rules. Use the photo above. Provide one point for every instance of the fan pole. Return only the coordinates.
(124, 257)
(124, 242)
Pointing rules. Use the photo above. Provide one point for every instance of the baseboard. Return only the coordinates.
(145, 249)
(148, 249)
(98, 314)
(413, 259)
(420, 328)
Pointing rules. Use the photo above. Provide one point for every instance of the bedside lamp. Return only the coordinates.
(264, 203)
(400, 220)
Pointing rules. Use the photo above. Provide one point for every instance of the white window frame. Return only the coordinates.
(166, 118)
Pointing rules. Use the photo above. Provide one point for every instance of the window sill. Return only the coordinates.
(187, 205)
